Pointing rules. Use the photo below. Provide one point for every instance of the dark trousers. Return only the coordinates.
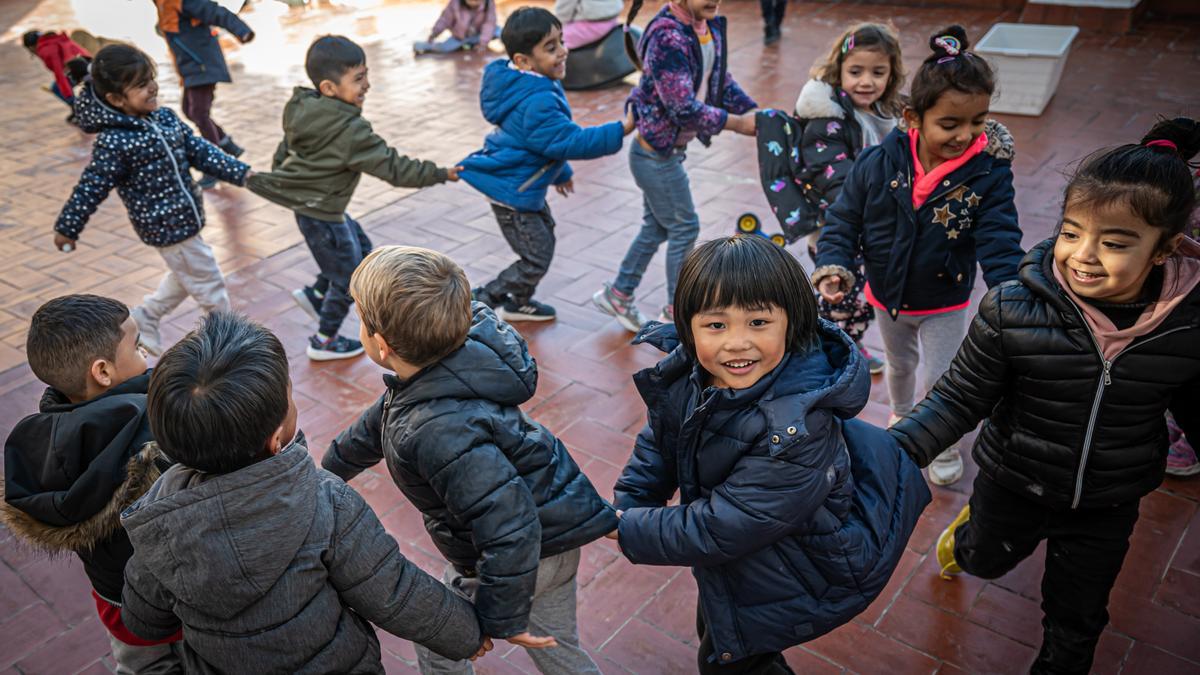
(531, 236)
(1084, 552)
(338, 248)
(197, 106)
(758, 664)
(772, 13)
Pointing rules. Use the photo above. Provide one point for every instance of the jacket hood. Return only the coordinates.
(311, 121)
(95, 115)
(493, 364)
(816, 100)
(505, 88)
(238, 531)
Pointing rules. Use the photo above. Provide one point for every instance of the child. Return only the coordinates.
(71, 468)
(527, 153)
(268, 563)
(587, 21)
(852, 103)
(144, 151)
(327, 146)
(685, 92)
(921, 208)
(791, 514)
(502, 498)
(1071, 370)
(56, 50)
(472, 24)
(187, 26)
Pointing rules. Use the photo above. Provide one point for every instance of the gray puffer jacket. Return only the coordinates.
(277, 568)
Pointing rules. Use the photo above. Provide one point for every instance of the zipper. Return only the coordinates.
(182, 185)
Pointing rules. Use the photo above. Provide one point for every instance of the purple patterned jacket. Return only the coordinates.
(666, 100)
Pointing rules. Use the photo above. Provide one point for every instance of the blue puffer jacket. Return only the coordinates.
(187, 26)
(924, 259)
(792, 515)
(146, 159)
(533, 139)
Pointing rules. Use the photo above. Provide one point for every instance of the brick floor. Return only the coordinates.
(632, 619)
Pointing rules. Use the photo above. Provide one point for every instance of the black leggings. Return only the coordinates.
(197, 106)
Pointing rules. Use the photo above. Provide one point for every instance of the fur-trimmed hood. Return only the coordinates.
(1000, 142)
(816, 100)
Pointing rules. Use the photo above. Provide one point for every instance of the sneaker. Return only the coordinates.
(613, 303)
(207, 182)
(667, 315)
(480, 294)
(309, 301)
(875, 365)
(945, 545)
(334, 348)
(946, 468)
(150, 339)
(232, 149)
(530, 310)
(1181, 459)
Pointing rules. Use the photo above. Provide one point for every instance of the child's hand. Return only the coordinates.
(566, 188)
(831, 289)
(64, 244)
(484, 648)
(452, 173)
(249, 173)
(628, 124)
(529, 641)
(742, 124)
(614, 534)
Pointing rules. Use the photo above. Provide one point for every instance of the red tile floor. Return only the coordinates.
(633, 620)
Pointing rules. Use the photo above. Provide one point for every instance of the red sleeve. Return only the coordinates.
(53, 58)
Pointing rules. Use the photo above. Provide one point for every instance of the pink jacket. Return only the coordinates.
(463, 22)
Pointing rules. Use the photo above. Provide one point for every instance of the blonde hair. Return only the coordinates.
(417, 299)
(868, 37)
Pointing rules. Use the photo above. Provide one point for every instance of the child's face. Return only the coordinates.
(737, 346)
(865, 74)
(952, 124)
(701, 9)
(139, 100)
(350, 88)
(549, 57)
(1106, 254)
(128, 362)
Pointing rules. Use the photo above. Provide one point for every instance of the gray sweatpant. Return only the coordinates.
(931, 340)
(191, 270)
(553, 614)
(163, 659)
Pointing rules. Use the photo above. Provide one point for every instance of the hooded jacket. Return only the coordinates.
(923, 259)
(327, 146)
(1065, 425)
(792, 515)
(497, 489)
(55, 49)
(278, 568)
(533, 139)
(187, 26)
(147, 160)
(70, 469)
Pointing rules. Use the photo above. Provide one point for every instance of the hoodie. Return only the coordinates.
(327, 146)
(533, 139)
(278, 568)
(55, 49)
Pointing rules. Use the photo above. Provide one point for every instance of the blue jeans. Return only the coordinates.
(66, 97)
(668, 215)
(450, 44)
(338, 248)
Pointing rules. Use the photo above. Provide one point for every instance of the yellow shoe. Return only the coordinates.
(945, 544)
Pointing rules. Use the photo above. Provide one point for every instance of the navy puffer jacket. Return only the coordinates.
(791, 514)
(497, 489)
(187, 26)
(924, 259)
(147, 160)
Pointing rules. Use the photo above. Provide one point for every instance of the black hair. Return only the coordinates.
(218, 395)
(30, 39)
(68, 334)
(116, 68)
(745, 271)
(525, 28)
(632, 35)
(330, 56)
(1152, 178)
(950, 66)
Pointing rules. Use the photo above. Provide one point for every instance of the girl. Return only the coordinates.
(145, 151)
(685, 92)
(852, 103)
(791, 514)
(919, 208)
(472, 24)
(1073, 369)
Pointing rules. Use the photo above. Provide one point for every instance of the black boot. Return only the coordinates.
(231, 148)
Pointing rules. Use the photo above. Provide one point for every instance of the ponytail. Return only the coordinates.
(630, 41)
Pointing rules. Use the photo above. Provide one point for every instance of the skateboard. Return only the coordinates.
(748, 223)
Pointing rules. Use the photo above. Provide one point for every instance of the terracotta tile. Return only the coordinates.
(1159, 626)
(907, 568)
(23, 632)
(1008, 614)
(642, 648)
(70, 651)
(950, 638)
(1146, 659)
(1110, 653)
(673, 609)
(1179, 591)
(845, 646)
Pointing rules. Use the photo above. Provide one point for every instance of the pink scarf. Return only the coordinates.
(681, 13)
(925, 183)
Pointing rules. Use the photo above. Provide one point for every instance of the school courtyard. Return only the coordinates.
(635, 620)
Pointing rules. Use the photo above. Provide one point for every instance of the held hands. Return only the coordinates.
(452, 173)
(742, 124)
(64, 244)
(628, 124)
(484, 648)
(613, 535)
(831, 289)
(529, 641)
(566, 188)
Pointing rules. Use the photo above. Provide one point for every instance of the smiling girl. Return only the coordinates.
(922, 208)
(1072, 369)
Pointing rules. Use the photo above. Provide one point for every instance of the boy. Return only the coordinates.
(528, 152)
(270, 564)
(327, 146)
(59, 53)
(502, 498)
(187, 25)
(73, 466)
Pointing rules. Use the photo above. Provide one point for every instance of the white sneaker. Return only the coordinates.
(150, 340)
(946, 468)
(626, 313)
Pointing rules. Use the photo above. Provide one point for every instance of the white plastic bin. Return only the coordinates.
(1029, 60)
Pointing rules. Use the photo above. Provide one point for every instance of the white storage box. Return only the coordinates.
(1029, 60)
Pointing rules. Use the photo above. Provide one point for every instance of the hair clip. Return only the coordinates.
(950, 45)
(848, 43)
(1162, 143)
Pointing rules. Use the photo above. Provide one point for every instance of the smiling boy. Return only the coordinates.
(327, 146)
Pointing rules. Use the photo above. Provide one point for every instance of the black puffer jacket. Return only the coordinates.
(498, 490)
(1063, 427)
